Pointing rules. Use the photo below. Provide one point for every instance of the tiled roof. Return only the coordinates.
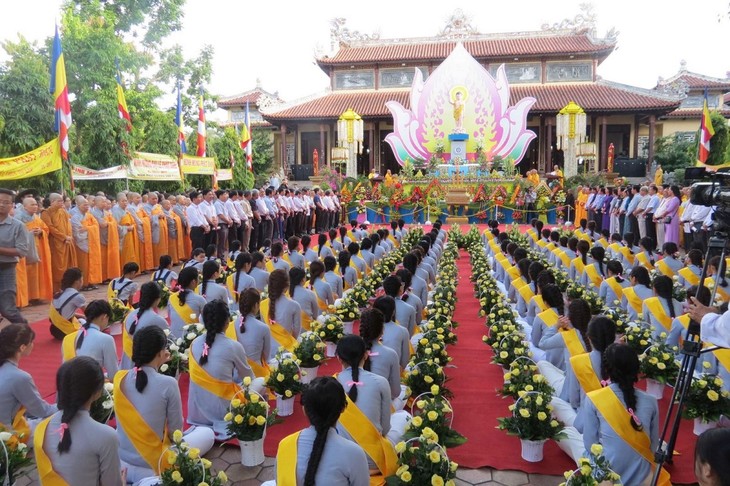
(694, 113)
(251, 96)
(254, 124)
(697, 81)
(601, 96)
(530, 44)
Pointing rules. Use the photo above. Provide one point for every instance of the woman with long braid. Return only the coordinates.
(70, 446)
(254, 335)
(323, 290)
(90, 340)
(318, 454)
(240, 280)
(258, 270)
(578, 264)
(347, 273)
(381, 360)
(143, 316)
(623, 419)
(663, 308)
(594, 273)
(20, 394)
(208, 288)
(332, 277)
(281, 313)
(324, 248)
(612, 288)
(148, 408)
(309, 254)
(306, 299)
(639, 291)
(368, 416)
(185, 306)
(335, 245)
(544, 321)
(217, 366)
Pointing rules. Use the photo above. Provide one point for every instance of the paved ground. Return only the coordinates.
(228, 458)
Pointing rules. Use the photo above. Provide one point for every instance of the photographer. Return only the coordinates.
(714, 322)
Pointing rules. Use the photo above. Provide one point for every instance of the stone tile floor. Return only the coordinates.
(227, 458)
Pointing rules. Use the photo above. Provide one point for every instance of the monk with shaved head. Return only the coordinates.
(61, 240)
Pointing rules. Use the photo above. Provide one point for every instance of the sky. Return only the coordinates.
(275, 41)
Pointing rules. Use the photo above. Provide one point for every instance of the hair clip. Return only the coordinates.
(633, 416)
(355, 383)
(61, 431)
(371, 354)
(605, 383)
(205, 349)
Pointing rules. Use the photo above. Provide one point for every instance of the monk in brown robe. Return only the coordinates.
(63, 254)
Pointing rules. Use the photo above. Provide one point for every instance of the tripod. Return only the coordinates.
(692, 349)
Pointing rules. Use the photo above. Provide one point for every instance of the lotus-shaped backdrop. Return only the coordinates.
(481, 110)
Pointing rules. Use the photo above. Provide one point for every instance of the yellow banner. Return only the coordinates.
(224, 175)
(153, 167)
(44, 159)
(190, 164)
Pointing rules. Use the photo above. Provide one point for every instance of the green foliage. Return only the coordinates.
(674, 152)
(586, 179)
(719, 142)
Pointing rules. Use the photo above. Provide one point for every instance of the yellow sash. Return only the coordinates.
(665, 269)
(270, 266)
(46, 474)
(357, 270)
(584, 372)
(626, 252)
(723, 356)
(616, 287)
(394, 241)
(615, 414)
(362, 431)
(223, 389)
(63, 324)
(140, 434)
(127, 341)
(550, 246)
(633, 299)
(541, 243)
(519, 282)
(19, 426)
(657, 310)
(689, 276)
(68, 348)
(565, 258)
(615, 247)
(549, 317)
(260, 370)
(539, 302)
(513, 272)
(526, 293)
(280, 334)
(593, 276)
(644, 260)
(229, 284)
(720, 291)
(286, 461)
(285, 257)
(306, 321)
(533, 234)
(572, 342)
(183, 311)
(579, 265)
(603, 242)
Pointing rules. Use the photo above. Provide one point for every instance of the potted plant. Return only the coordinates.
(509, 348)
(310, 351)
(638, 336)
(248, 417)
(423, 461)
(330, 329)
(347, 309)
(523, 375)
(164, 294)
(594, 470)
(531, 422)
(434, 413)
(706, 402)
(13, 456)
(285, 381)
(185, 467)
(102, 410)
(426, 377)
(189, 333)
(178, 360)
(660, 366)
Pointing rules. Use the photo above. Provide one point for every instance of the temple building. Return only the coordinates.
(555, 65)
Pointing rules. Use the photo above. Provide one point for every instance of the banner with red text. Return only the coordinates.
(153, 167)
(81, 173)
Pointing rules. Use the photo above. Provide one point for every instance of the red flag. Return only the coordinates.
(706, 133)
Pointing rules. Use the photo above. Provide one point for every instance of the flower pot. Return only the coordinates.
(311, 373)
(252, 452)
(347, 327)
(532, 450)
(331, 348)
(284, 406)
(655, 388)
(701, 426)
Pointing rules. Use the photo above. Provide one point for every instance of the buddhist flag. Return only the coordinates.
(179, 123)
(59, 90)
(201, 127)
(246, 139)
(122, 101)
(706, 133)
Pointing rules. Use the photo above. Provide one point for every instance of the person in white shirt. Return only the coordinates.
(208, 210)
(234, 213)
(714, 327)
(265, 224)
(197, 221)
(224, 221)
(640, 209)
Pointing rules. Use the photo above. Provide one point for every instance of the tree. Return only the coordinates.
(674, 152)
(719, 141)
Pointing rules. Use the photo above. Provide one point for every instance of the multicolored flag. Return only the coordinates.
(122, 101)
(201, 127)
(246, 139)
(59, 90)
(179, 123)
(706, 133)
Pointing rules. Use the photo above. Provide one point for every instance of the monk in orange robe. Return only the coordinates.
(21, 283)
(88, 245)
(145, 241)
(40, 280)
(175, 232)
(113, 262)
(61, 241)
(128, 239)
(158, 225)
(580, 205)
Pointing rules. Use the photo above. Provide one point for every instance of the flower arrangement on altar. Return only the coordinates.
(638, 336)
(436, 414)
(14, 459)
(706, 399)
(531, 418)
(328, 327)
(593, 470)
(423, 461)
(285, 380)
(480, 195)
(185, 467)
(524, 375)
(102, 409)
(499, 195)
(559, 201)
(659, 362)
(416, 196)
(249, 415)
(310, 350)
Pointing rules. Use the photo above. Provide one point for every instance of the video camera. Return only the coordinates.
(714, 193)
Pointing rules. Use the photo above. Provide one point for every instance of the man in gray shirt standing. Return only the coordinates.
(13, 247)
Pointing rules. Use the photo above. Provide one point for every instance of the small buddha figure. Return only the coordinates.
(458, 104)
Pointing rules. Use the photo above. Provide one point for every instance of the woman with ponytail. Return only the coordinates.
(645, 257)
(690, 274)
(144, 315)
(612, 288)
(369, 392)
(91, 340)
(380, 359)
(309, 254)
(240, 280)
(545, 321)
(65, 303)
(322, 289)
(347, 273)
(639, 291)
(608, 411)
(334, 243)
(150, 403)
(209, 289)
(217, 366)
(577, 265)
(20, 395)
(663, 308)
(594, 273)
(281, 313)
(78, 449)
(419, 285)
(306, 298)
(184, 306)
(408, 296)
(258, 271)
(164, 272)
(296, 259)
(323, 247)
(333, 278)
(254, 335)
(318, 455)
(277, 258)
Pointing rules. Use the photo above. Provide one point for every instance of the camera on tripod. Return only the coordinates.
(714, 193)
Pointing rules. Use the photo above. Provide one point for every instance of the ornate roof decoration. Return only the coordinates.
(255, 96)
(458, 26)
(341, 35)
(684, 81)
(585, 21)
